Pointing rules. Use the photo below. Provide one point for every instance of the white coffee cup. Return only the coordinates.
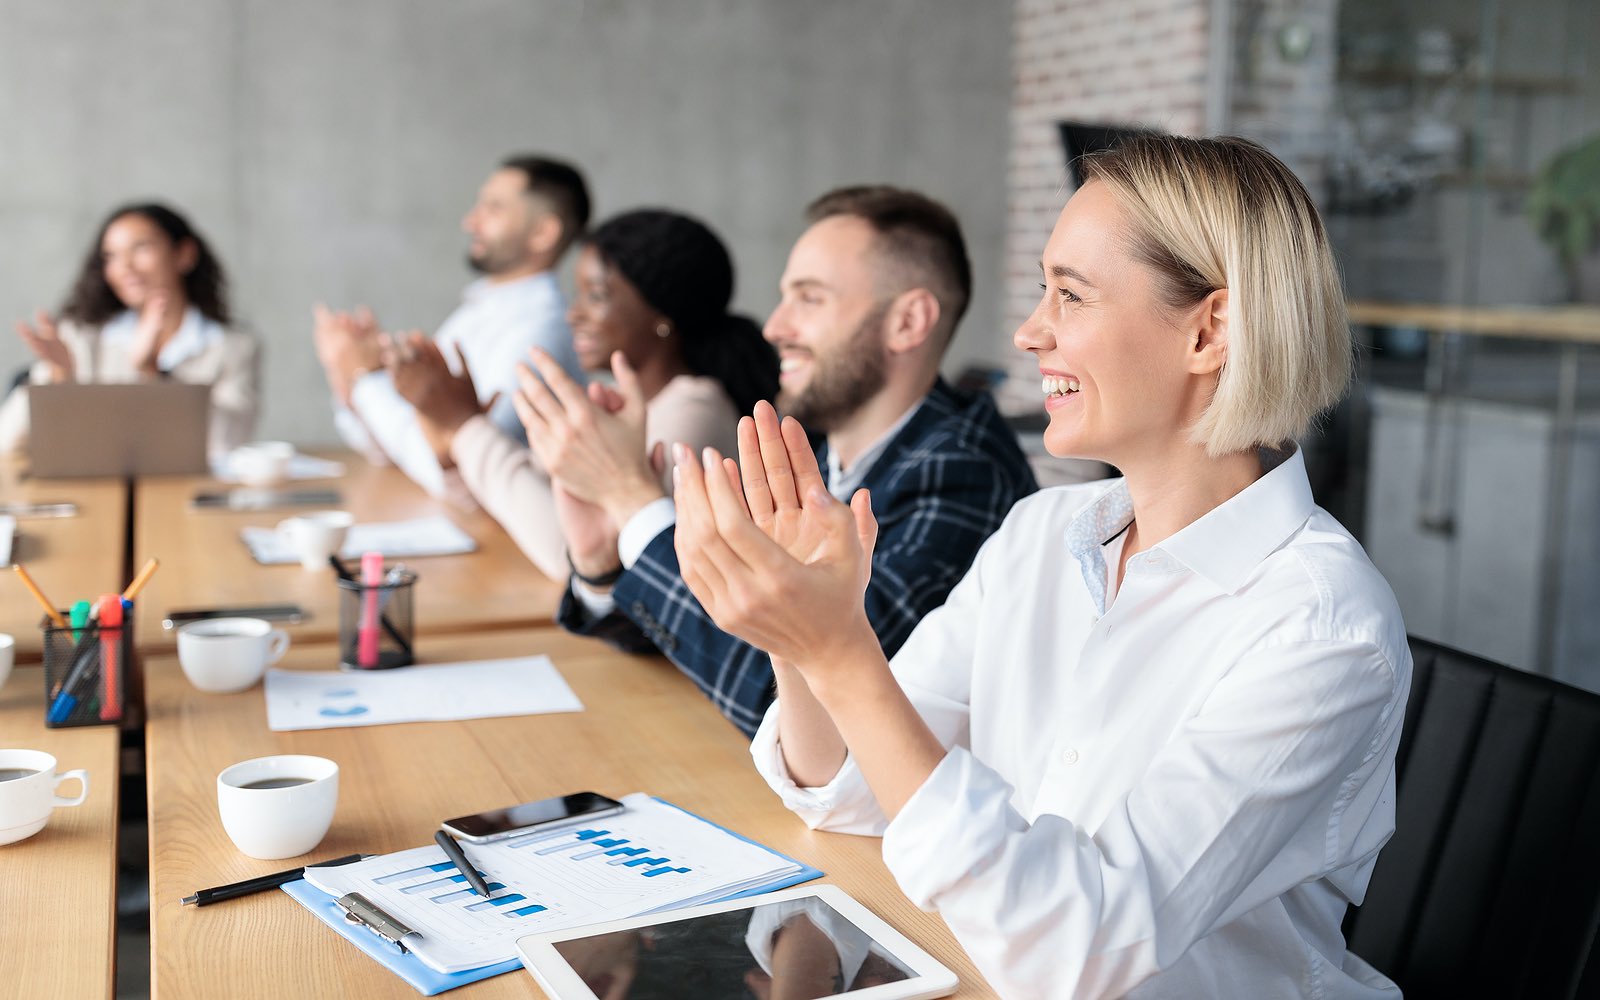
(278, 822)
(8, 656)
(316, 536)
(26, 802)
(262, 463)
(229, 654)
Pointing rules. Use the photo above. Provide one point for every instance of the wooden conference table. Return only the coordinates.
(71, 558)
(645, 728)
(58, 888)
(204, 563)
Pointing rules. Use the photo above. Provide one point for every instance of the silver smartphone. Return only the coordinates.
(252, 499)
(290, 613)
(24, 510)
(495, 824)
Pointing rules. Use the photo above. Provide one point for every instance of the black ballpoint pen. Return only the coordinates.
(262, 883)
(453, 851)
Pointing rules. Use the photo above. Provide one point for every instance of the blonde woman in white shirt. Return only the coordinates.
(1147, 747)
(150, 301)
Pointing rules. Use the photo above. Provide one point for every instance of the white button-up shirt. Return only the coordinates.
(1175, 795)
(495, 325)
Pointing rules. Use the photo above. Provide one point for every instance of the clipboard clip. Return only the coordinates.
(358, 909)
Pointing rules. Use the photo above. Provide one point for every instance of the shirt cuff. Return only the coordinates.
(597, 605)
(646, 523)
(950, 828)
(843, 805)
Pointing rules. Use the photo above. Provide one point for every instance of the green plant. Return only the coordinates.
(1564, 203)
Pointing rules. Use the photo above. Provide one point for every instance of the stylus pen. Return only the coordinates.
(458, 857)
(262, 883)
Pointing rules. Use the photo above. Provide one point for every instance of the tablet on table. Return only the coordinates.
(814, 939)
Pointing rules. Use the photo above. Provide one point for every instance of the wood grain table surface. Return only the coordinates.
(645, 728)
(205, 564)
(58, 888)
(71, 558)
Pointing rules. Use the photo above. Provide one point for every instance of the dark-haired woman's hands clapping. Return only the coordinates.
(44, 340)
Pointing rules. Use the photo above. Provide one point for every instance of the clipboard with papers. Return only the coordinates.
(414, 912)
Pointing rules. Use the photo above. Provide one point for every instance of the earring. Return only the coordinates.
(663, 330)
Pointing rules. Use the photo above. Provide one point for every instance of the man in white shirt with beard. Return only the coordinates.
(528, 212)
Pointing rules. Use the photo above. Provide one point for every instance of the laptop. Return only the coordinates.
(122, 429)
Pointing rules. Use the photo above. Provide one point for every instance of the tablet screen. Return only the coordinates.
(800, 948)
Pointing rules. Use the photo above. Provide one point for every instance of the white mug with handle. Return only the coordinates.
(317, 535)
(224, 655)
(28, 783)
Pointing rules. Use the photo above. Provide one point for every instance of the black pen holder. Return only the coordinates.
(86, 672)
(377, 623)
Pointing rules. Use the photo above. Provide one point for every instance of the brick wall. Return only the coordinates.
(1140, 62)
(1162, 63)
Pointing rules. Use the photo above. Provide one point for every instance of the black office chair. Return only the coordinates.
(1491, 884)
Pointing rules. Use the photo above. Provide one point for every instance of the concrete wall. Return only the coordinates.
(329, 149)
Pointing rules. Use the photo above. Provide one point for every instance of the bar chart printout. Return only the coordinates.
(650, 857)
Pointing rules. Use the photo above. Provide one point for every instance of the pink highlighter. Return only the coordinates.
(367, 636)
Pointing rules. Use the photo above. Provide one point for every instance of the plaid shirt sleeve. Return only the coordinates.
(936, 502)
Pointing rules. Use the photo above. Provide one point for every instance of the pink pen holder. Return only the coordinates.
(377, 622)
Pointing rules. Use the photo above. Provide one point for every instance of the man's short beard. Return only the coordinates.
(843, 382)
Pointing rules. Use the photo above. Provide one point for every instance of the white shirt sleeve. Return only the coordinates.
(1233, 813)
(1244, 802)
(392, 423)
(354, 434)
(498, 341)
(934, 669)
(646, 523)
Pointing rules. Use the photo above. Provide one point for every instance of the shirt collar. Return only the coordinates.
(193, 336)
(1106, 517)
(482, 288)
(842, 482)
(1224, 546)
(1227, 544)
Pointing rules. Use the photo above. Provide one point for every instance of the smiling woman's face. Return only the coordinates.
(608, 314)
(1113, 358)
(140, 260)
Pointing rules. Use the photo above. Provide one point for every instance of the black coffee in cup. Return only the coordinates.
(276, 783)
(11, 773)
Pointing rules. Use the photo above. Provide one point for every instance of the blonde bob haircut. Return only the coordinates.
(1225, 213)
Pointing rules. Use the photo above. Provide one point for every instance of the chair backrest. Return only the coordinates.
(1491, 884)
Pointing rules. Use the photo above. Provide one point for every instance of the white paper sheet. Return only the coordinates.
(300, 467)
(480, 689)
(425, 536)
(651, 857)
(8, 531)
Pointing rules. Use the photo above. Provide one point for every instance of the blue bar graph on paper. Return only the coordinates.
(534, 838)
(645, 861)
(491, 903)
(465, 893)
(527, 911)
(624, 853)
(662, 871)
(412, 890)
(413, 872)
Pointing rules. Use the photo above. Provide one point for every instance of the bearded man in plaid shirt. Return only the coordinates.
(871, 296)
